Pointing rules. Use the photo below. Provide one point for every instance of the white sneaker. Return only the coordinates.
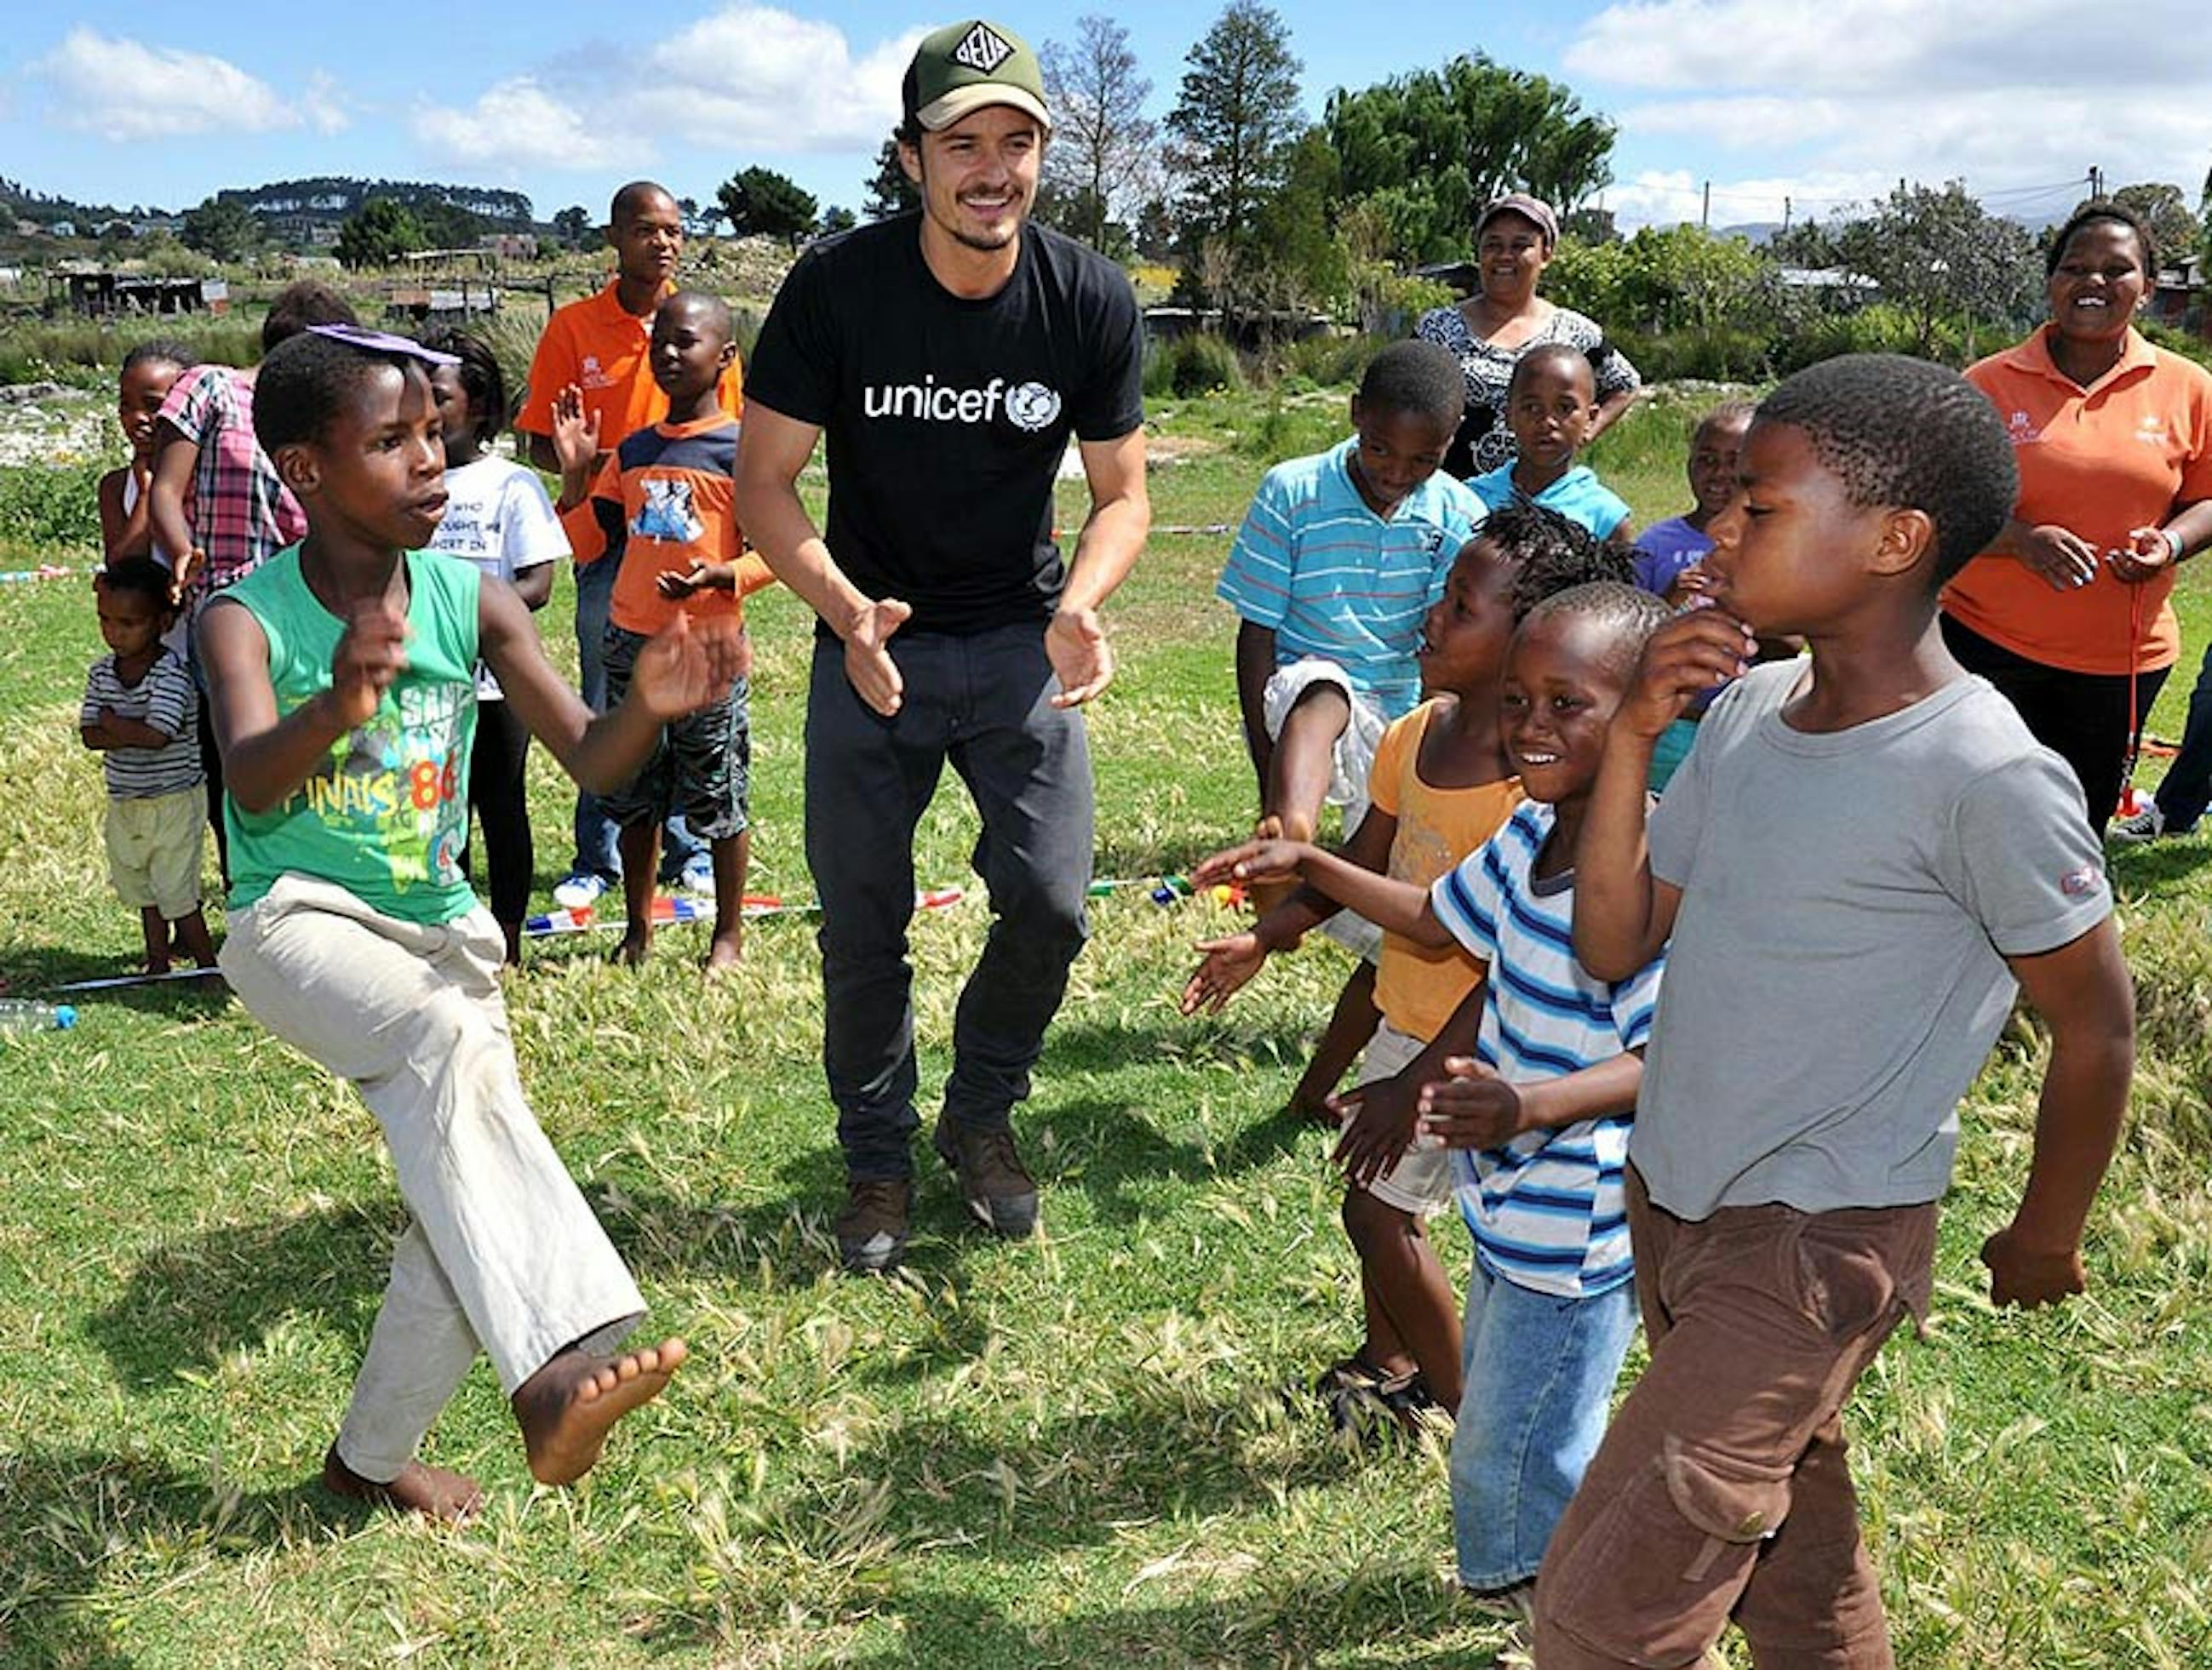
(697, 877)
(580, 891)
(2146, 825)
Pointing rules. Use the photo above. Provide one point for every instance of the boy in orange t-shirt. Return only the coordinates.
(664, 503)
(590, 385)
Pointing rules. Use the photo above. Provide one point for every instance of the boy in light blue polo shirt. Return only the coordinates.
(1551, 405)
(1340, 557)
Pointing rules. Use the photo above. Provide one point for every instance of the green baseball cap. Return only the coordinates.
(963, 67)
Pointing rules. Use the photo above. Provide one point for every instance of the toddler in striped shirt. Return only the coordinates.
(140, 713)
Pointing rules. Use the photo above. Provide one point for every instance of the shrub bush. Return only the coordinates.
(47, 507)
(1189, 365)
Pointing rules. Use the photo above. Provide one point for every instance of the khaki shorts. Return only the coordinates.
(154, 850)
(1421, 1183)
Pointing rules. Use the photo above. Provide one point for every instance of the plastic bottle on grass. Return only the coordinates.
(28, 1015)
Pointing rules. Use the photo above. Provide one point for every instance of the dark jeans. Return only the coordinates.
(2187, 788)
(594, 831)
(983, 703)
(495, 795)
(2082, 717)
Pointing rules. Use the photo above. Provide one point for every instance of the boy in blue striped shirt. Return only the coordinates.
(1532, 1083)
(1340, 557)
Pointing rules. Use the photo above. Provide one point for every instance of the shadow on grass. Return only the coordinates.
(190, 1303)
(2159, 867)
(65, 1515)
(948, 1627)
(34, 971)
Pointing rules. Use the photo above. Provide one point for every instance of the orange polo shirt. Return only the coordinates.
(603, 350)
(2102, 461)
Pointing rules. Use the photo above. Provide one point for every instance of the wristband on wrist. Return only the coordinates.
(2173, 543)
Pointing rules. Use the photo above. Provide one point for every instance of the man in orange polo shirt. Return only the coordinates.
(597, 346)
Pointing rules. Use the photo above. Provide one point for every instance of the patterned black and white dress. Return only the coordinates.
(1484, 443)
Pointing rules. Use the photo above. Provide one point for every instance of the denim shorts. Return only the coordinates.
(700, 768)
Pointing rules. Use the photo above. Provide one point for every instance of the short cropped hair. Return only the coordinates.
(1415, 376)
(1904, 432)
(482, 380)
(298, 306)
(2090, 213)
(305, 382)
(1545, 351)
(159, 351)
(138, 576)
(1549, 552)
(716, 310)
(633, 197)
(1627, 615)
(1728, 411)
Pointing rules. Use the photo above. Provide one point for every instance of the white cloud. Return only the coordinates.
(742, 76)
(519, 122)
(325, 105)
(2018, 102)
(121, 88)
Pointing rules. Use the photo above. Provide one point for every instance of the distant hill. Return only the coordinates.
(332, 198)
(44, 209)
(304, 211)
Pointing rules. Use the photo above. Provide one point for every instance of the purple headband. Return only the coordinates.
(383, 341)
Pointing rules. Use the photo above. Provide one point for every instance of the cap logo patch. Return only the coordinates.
(982, 50)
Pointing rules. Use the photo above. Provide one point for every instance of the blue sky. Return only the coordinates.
(1825, 101)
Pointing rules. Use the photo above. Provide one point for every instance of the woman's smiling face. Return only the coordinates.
(2099, 281)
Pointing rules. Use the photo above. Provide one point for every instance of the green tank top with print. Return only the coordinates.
(385, 814)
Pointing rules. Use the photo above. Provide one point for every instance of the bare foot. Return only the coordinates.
(433, 1492)
(566, 1409)
(636, 944)
(725, 950)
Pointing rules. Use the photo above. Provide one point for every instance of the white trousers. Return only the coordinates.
(502, 1254)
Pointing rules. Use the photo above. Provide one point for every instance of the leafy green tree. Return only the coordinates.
(444, 225)
(378, 234)
(889, 191)
(1233, 123)
(222, 230)
(574, 224)
(7, 218)
(1307, 265)
(2173, 228)
(1938, 254)
(837, 218)
(1102, 142)
(762, 203)
(1430, 149)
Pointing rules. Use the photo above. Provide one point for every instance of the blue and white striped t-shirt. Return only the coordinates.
(163, 698)
(1334, 579)
(1546, 1210)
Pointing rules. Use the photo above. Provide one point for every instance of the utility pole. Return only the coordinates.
(1705, 214)
(2096, 181)
(1785, 214)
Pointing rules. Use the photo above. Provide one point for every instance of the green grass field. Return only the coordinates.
(1072, 1452)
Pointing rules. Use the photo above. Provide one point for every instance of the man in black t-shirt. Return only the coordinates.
(948, 354)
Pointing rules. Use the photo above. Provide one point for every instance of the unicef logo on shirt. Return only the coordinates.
(1031, 406)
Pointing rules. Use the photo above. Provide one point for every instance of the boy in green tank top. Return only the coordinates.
(343, 700)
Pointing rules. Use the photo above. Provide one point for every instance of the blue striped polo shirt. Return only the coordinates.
(1546, 1210)
(1334, 579)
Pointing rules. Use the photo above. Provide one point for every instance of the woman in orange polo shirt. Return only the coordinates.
(2069, 613)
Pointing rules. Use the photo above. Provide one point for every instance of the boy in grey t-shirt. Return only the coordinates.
(1859, 864)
